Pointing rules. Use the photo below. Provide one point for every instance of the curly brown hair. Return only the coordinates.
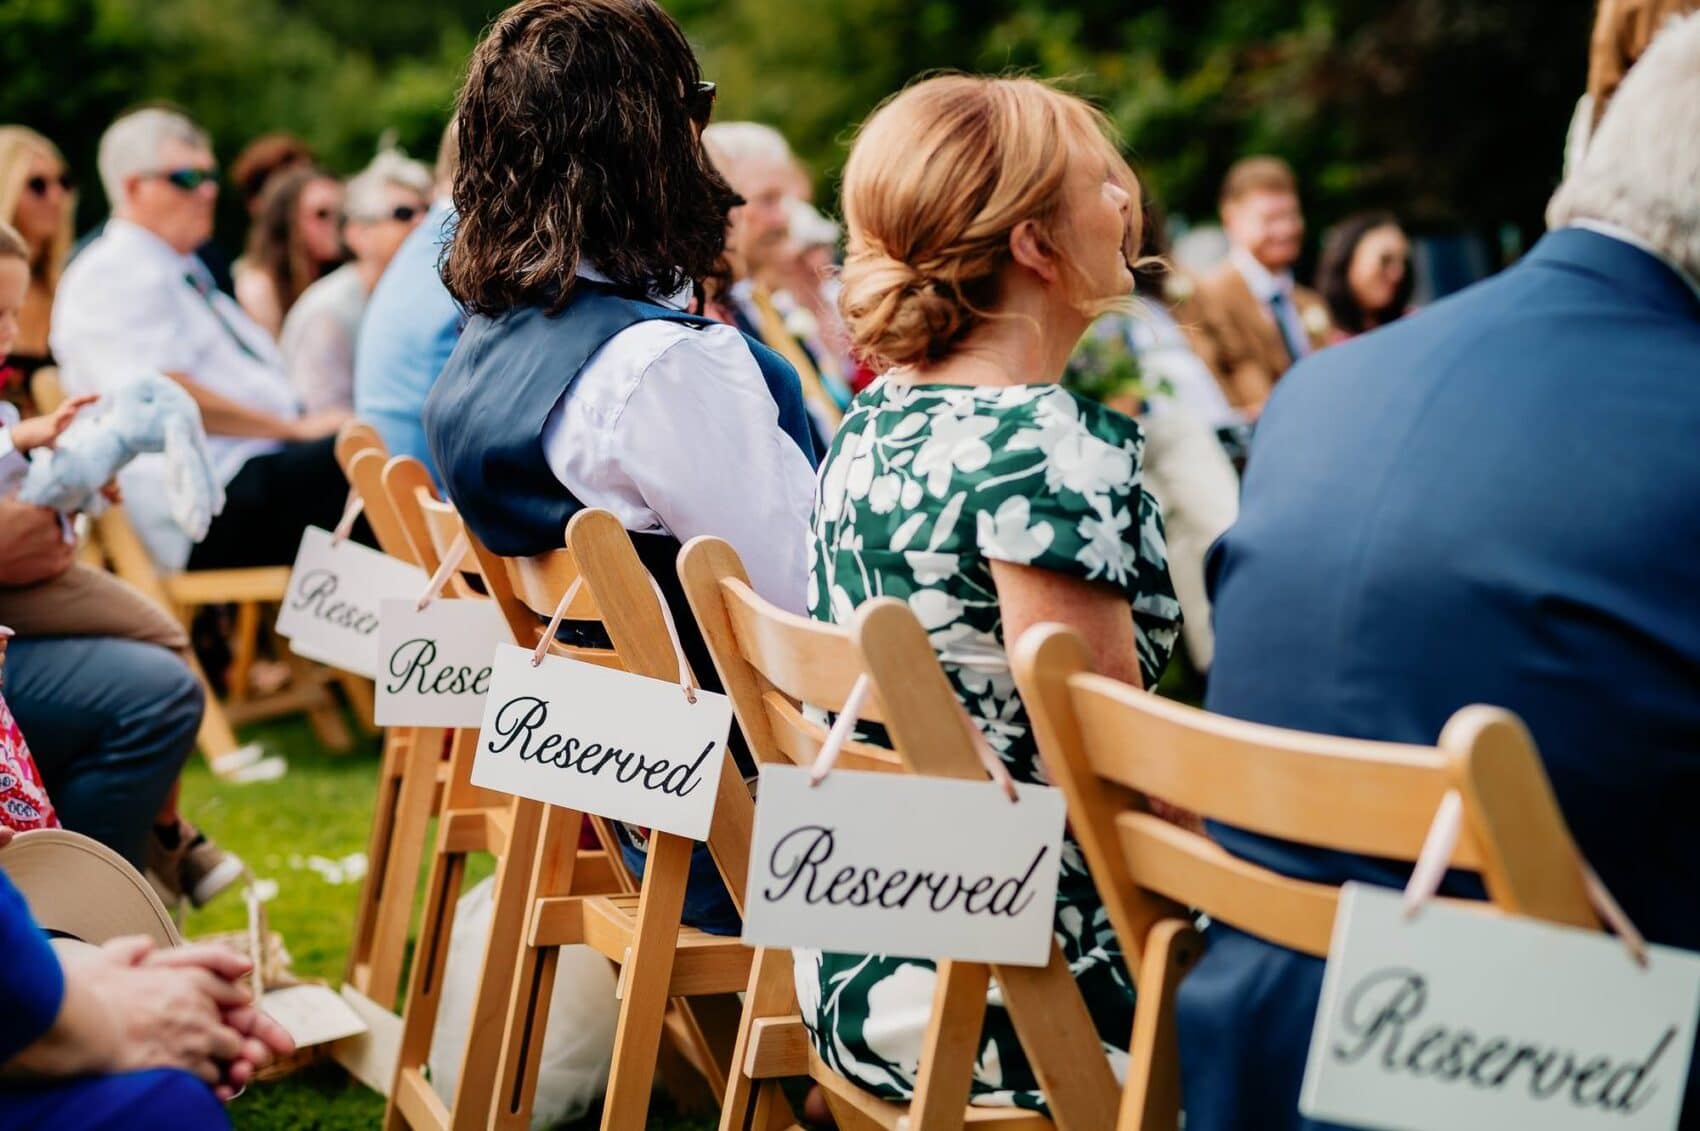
(577, 144)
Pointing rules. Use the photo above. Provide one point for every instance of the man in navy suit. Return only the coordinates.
(1494, 501)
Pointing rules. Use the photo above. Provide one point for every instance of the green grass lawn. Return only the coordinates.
(297, 832)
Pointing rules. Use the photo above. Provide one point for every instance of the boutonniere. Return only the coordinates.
(1316, 321)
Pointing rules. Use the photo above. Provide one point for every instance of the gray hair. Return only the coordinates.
(1641, 169)
(131, 145)
(363, 198)
(735, 144)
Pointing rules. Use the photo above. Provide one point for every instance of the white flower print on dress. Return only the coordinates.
(1007, 536)
(884, 493)
(956, 443)
(1106, 553)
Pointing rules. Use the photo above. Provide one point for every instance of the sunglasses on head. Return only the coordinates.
(700, 103)
(186, 180)
(40, 185)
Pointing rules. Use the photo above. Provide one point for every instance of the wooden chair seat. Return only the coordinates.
(703, 963)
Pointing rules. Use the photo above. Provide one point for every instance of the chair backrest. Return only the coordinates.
(1110, 746)
(365, 471)
(528, 589)
(429, 524)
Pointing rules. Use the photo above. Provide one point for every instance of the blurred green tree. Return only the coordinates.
(1450, 111)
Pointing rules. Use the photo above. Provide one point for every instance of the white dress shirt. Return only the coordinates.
(126, 305)
(672, 428)
(1265, 285)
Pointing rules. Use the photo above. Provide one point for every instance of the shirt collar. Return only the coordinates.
(146, 242)
(1264, 283)
(1624, 235)
(678, 301)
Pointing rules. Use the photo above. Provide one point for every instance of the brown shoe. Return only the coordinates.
(193, 866)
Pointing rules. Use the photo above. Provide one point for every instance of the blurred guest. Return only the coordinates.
(38, 199)
(137, 298)
(262, 159)
(1249, 321)
(804, 275)
(1365, 275)
(382, 206)
(411, 326)
(292, 244)
(1404, 549)
(1190, 430)
(756, 161)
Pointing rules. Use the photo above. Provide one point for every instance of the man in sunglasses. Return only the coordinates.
(381, 206)
(137, 298)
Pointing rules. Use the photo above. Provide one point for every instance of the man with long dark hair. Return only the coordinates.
(587, 209)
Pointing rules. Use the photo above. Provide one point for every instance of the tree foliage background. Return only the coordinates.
(1452, 112)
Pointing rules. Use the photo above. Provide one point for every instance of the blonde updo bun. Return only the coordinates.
(938, 178)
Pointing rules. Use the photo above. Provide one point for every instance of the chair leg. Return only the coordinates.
(216, 737)
(436, 929)
(245, 638)
(324, 715)
(524, 1025)
(951, 1046)
(398, 743)
(361, 699)
(1054, 1026)
(1151, 1100)
(398, 870)
(475, 1095)
(771, 993)
(647, 973)
(678, 1063)
(712, 1021)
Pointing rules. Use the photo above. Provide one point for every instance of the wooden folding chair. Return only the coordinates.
(399, 823)
(547, 893)
(1110, 746)
(641, 931)
(124, 553)
(771, 663)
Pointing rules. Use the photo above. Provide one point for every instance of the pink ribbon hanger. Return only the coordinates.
(350, 514)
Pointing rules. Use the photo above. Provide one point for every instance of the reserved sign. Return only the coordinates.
(602, 741)
(435, 662)
(331, 610)
(1462, 1020)
(908, 866)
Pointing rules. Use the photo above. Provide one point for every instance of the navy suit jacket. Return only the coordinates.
(1496, 500)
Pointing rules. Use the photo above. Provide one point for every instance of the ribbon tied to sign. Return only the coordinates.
(845, 725)
(445, 569)
(1436, 857)
(548, 637)
(350, 515)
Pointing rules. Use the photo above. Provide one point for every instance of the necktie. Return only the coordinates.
(782, 342)
(204, 288)
(1282, 305)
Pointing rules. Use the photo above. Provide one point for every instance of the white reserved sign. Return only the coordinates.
(330, 612)
(602, 741)
(434, 663)
(1460, 1020)
(908, 866)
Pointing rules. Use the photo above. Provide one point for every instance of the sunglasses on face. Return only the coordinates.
(186, 180)
(401, 213)
(700, 103)
(40, 185)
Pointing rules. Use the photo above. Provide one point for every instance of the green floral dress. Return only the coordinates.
(923, 487)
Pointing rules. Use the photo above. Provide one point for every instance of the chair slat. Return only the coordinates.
(1375, 798)
(808, 660)
(799, 739)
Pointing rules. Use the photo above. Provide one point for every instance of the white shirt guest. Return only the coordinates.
(138, 298)
(617, 443)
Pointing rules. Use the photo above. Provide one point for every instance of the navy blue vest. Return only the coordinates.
(485, 415)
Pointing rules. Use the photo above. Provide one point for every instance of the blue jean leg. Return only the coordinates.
(110, 723)
(160, 1099)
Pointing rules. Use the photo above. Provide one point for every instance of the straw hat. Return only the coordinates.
(78, 887)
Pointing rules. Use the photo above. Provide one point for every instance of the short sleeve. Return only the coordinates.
(1062, 492)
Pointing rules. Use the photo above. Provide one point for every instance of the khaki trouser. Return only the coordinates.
(84, 601)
